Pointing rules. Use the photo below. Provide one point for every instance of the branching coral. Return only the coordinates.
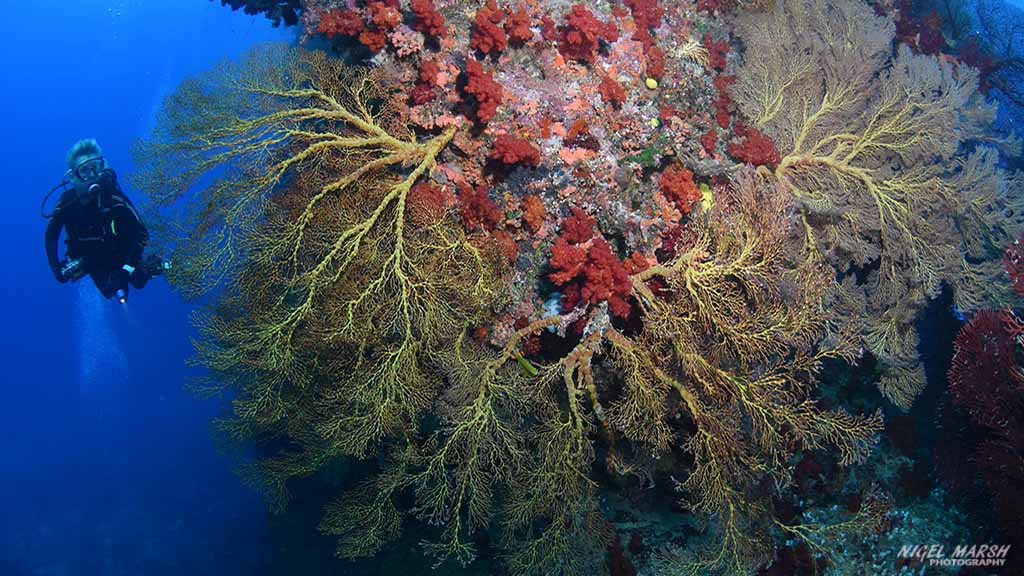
(736, 339)
(870, 146)
(297, 177)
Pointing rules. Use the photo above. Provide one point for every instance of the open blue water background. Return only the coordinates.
(106, 465)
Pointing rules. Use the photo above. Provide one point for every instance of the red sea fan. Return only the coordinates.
(984, 378)
(1013, 260)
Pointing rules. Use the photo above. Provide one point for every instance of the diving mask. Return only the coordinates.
(90, 168)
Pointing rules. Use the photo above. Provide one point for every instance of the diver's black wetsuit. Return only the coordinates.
(106, 233)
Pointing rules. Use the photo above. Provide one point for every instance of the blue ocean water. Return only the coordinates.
(107, 466)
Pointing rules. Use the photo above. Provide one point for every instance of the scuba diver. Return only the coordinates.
(105, 236)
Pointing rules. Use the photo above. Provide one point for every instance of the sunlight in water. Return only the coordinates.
(99, 350)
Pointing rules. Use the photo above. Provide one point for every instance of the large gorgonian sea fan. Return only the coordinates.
(342, 322)
(886, 155)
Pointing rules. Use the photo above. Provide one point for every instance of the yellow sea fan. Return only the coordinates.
(693, 50)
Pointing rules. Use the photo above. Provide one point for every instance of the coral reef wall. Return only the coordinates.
(550, 270)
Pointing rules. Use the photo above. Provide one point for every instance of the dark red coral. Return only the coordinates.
(477, 209)
(484, 91)
(716, 51)
(708, 140)
(518, 26)
(655, 62)
(611, 91)
(340, 22)
(723, 100)
(427, 20)
(756, 148)
(579, 227)
(580, 36)
(647, 16)
(423, 92)
(511, 150)
(983, 376)
(677, 184)
(488, 36)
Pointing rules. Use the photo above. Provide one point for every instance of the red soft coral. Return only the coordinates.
(611, 91)
(567, 261)
(676, 184)
(723, 102)
(510, 150)
(423, 92)
(484, 90)
(606, 279)
(647, 16)
(340, 22)
(427, 20)
(477, 209)
(373, 39)
(756, 148)
(518, 26)
(588, 268)
(579, 37)
(708, 140)
(579, 227)
(655, 62)
(716, 51)
(384, 16)
(487, 36)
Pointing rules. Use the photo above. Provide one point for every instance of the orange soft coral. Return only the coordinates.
(518, 26)
(533, 212)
